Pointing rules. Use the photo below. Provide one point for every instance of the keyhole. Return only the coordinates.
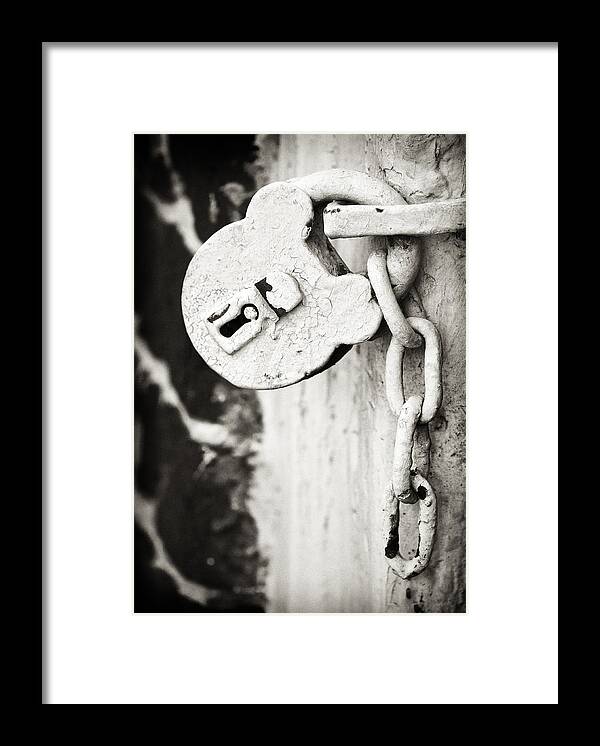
(248, 313)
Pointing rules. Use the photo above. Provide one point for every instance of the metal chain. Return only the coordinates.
(377, 272)
(391, 274)
(412, 444)
(401, 260)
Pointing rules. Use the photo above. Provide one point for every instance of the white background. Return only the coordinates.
(503, 651)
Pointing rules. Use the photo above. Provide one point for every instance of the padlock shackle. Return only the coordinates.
(336, 184)
(348, 186)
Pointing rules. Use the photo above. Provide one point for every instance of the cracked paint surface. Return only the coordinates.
(226, 486)
(278, 234)
(320, 518)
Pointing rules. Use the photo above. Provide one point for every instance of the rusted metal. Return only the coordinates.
(280, 236)
(241, 336)
(391, 274)
(347, 185)
(384, 292)
(282, 240)
(407, 568)
(408, 418)
(412, 448)
(422, 219)
(404, 252)
(432, 369)
(421, 452)
(394, 389)
(245, 315)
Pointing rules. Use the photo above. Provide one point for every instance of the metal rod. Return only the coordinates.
(423, 219)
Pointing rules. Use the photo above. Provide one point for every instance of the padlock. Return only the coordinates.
(245, 315)
(268, 302)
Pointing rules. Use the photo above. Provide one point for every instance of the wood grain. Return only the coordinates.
(326, 458)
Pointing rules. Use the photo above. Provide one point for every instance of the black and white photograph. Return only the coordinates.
(299, 372)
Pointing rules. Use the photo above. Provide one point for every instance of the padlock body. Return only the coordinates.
(282, 302)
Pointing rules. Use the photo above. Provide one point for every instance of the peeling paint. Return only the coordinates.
(337, 308)
(335, 432)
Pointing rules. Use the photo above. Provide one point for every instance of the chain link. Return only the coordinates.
(391, 274)
(412, 446)
(377, 271)
(432, 368)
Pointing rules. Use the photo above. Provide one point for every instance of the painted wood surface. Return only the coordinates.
(326, 454)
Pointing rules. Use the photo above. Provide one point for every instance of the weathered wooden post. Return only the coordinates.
(327, 448)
